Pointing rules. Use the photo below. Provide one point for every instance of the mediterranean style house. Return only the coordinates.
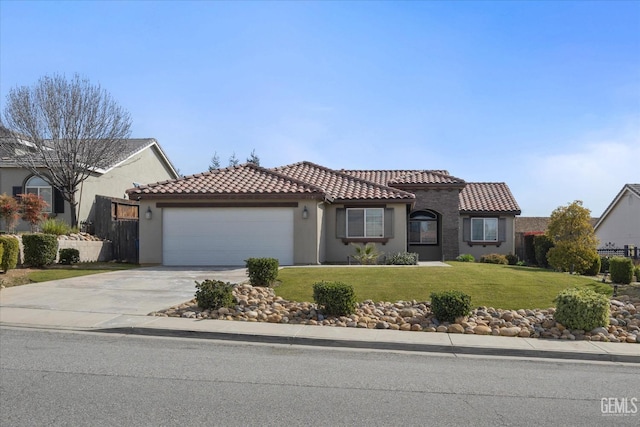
(305, 213)
(142, 161)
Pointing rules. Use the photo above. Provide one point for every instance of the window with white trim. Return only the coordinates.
(365, 222)
(484, 229)
(423, 228)
(40, 187)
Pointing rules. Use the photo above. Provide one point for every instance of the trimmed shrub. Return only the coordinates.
(69, 256)
(582, 309)
(11, 247)
(621, 270)
(55, 226)
(512, 259)
(494, 259)
(39, 249)
(466, 258)
(604, 263)
(214, 294)
(402, 258)
(448, 305)
(1, 251)
(594, 269)
(335, 298)
(262, 271)
(638, 273)
(542, 243)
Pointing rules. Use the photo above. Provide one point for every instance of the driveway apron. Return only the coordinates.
(130, 292)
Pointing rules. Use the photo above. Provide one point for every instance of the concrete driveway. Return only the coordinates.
(130, 292)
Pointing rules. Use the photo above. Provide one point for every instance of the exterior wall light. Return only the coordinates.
(305, 213)
(148, 214)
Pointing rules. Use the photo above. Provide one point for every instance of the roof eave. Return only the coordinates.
(247, 196)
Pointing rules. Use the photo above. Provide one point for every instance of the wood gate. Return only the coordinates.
(117, 220)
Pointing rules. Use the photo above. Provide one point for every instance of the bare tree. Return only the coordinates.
(66, 129)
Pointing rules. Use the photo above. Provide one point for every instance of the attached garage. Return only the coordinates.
(226, 236)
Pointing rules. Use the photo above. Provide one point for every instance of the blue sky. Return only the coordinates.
(544, 96)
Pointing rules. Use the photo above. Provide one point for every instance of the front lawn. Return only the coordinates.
(498, 286)
(23, 276)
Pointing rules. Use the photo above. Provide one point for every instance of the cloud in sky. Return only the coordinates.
(594, 171)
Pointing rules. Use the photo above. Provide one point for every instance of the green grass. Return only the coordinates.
(57, 272)
(498, 286)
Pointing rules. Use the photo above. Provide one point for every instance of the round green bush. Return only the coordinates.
(262, 271)
(594, 269)
(621, 270)
(11, 247)
(582, 308)
(335, 298)
(214, 294)
(39, 249)
(69, 256)
(465, 258)
(448, 305)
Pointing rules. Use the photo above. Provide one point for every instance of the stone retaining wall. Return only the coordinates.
(90, 247)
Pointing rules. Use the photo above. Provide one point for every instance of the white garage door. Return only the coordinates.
(226, 236)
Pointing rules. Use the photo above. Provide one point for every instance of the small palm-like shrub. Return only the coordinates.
(367, 254)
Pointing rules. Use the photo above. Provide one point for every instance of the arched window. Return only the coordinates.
(40, 187)
(423, 228)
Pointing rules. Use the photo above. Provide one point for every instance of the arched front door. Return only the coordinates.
(425, 235)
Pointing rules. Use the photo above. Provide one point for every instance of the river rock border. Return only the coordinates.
(259, 304)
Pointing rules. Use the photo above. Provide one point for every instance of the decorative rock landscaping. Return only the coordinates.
(257, 304)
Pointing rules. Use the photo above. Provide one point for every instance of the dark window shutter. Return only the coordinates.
(502, 229)
(341, 223)
(388, 222)
(16, 190)
(58, 201)
(466, 229)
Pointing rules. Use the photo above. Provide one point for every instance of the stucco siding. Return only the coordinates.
(305, 244)
(477, 250)
(337, 251)
(143, 168)
(621, 226)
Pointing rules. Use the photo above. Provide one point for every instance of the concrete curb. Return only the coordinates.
(373, 345)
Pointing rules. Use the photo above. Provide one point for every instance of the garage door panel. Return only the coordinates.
(226, 236)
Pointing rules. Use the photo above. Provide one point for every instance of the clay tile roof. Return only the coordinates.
(243, 180)
(406, 177)
(342, 186)
(487, 197)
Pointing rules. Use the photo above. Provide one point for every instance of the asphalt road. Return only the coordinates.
(86, 379)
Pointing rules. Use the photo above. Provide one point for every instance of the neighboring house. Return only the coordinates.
(619, 225)
(309, 214)
(142, 161)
